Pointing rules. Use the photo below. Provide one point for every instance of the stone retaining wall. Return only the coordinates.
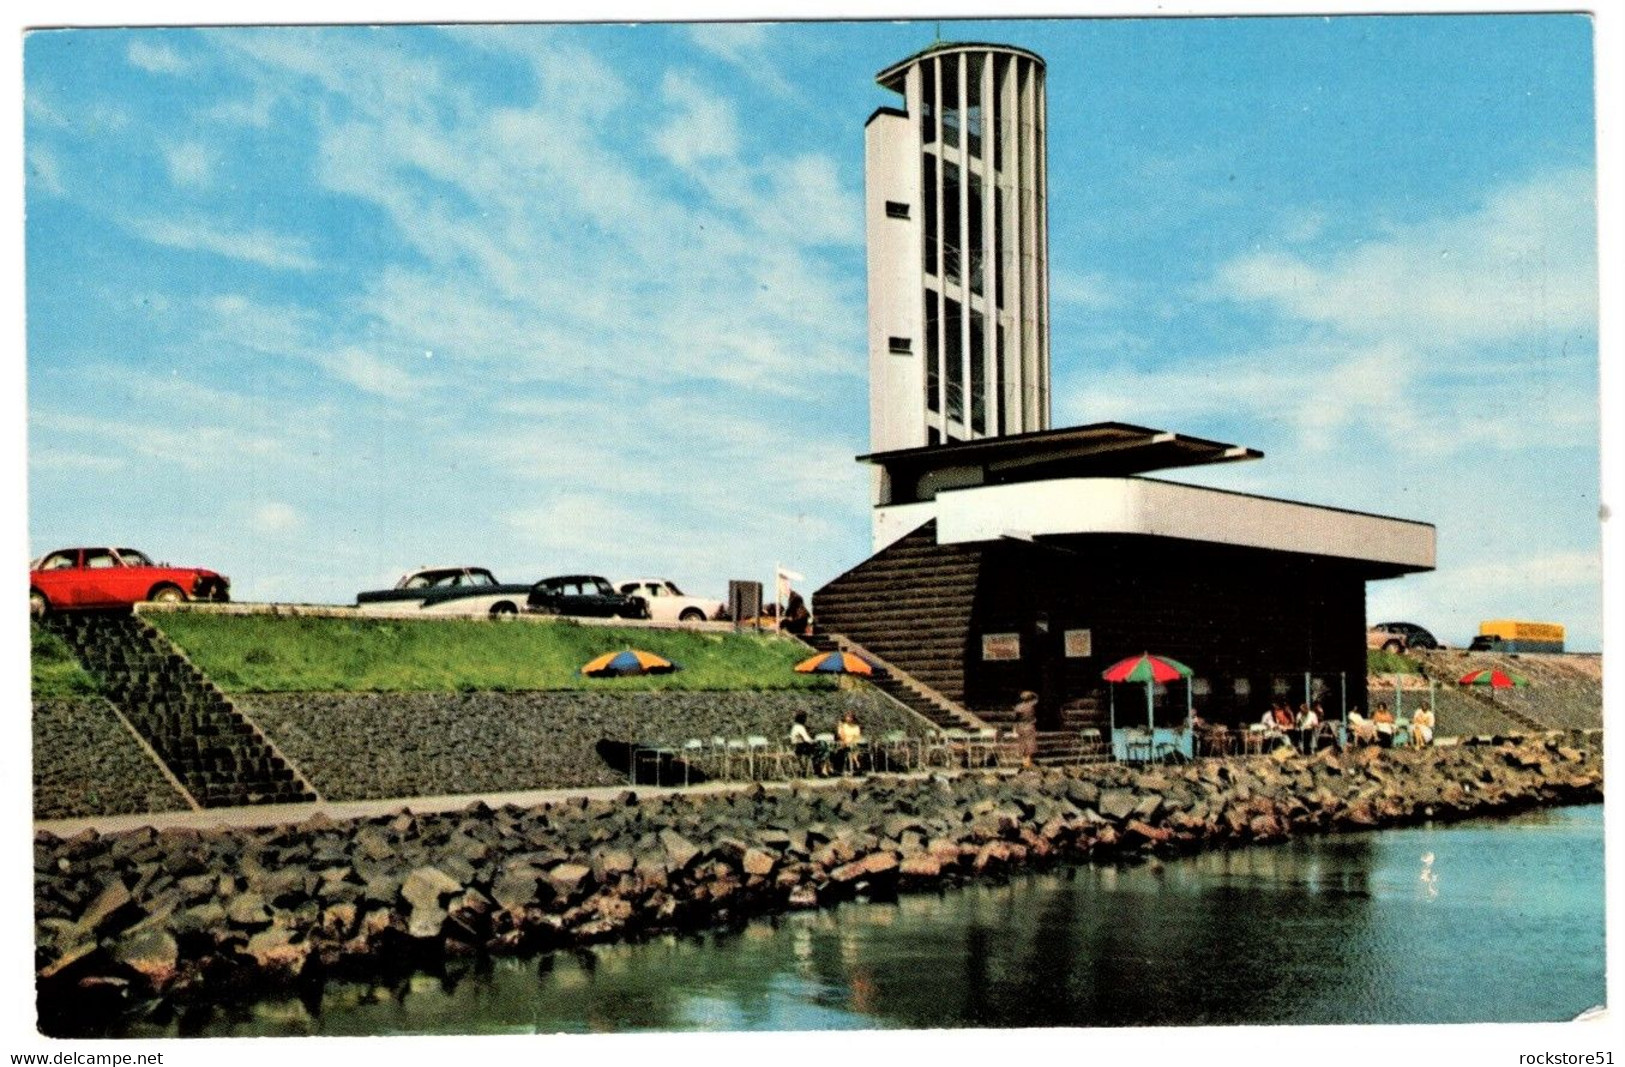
(187, 914)
(370, 745)
(86, 762)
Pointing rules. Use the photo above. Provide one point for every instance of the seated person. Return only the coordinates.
(1384, 722)
(1308, 721)
(1422, 728)
(803, 745)
(848, 736)
(1283, 717)
(1361, 729)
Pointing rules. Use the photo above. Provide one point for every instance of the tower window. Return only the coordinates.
(895, 210)
(900, 346)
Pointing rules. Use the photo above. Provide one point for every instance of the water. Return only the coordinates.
(1476, 922)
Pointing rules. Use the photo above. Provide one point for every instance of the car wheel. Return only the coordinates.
(38, 606)
(691, 615)
(1393, 645)
(167, 594)
(503, 610)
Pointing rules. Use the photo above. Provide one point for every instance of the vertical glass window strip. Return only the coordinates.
(933, 355)
(950, 101)
(973, 244)
(953, 356)
(928, 103)
(1000, 363)
(978, 375)
(999, 265)
(928, 169)
(1001, 75)
(950, 220)
(973, 105)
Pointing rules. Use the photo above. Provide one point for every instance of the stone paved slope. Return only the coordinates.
(86, 763)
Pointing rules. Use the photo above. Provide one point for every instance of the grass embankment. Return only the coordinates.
(56, 672)
(1379, 662)
(281, 654)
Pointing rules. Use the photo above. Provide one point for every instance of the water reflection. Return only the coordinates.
(1359, 928)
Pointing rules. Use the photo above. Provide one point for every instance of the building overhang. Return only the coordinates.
(1379, 546)
(892, 76)
(1102, 449)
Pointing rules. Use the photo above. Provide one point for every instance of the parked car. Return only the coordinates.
(1485, 643)
(101, 578)
(446, 591)
(1399, 636)
(584, 594)
(667, 603)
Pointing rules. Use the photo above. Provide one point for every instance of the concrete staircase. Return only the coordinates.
(897, 684)
(909, 606)
(212, 748)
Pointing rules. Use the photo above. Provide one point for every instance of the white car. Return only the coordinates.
(446, 591)
(667, 603)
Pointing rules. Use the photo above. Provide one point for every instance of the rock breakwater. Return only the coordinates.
(146, 920)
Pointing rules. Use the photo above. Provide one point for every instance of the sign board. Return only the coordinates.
(1080, 644)
(1001, 646)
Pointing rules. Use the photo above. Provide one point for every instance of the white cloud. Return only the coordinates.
(744, 45)
(372, 373)
(702, 126)
(190, 163)
(155, 57)
(1092, 289)
(261, 247)
(275, 518)
(44, 171)
(1523, 263)
(192, 446)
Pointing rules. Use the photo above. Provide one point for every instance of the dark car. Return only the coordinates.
(1406, 634)
(584, 594)
(446, 591)
(1485, 643)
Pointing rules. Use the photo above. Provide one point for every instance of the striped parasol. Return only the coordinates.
(1147, 668)
(1494, 677)
(835, 663)
(628, 661)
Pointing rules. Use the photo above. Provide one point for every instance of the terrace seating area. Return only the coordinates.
(692, 760)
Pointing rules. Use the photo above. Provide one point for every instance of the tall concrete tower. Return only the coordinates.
(955, 189)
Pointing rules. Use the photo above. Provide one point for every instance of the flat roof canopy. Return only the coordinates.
(1099, 450)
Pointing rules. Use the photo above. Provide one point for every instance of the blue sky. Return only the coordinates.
(314, 306)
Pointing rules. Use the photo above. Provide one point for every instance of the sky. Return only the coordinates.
(316, 306)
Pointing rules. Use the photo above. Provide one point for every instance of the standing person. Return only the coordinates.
(1026, 726)
(796, 616)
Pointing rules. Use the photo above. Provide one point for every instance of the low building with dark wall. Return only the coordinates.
(1037, 570)
(1010, 556)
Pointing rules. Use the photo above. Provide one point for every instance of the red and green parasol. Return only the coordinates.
(1494, 677)
(1149, 669)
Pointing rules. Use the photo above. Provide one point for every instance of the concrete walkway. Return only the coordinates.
(344, 810)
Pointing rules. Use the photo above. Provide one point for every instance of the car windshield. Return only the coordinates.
(479, 576)
(671, 587)
(132, 558)
(599, 586)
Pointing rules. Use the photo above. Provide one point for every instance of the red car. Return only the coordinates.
(115, 578)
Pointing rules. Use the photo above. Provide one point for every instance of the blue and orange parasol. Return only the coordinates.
(835, 663)
(626, 662)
